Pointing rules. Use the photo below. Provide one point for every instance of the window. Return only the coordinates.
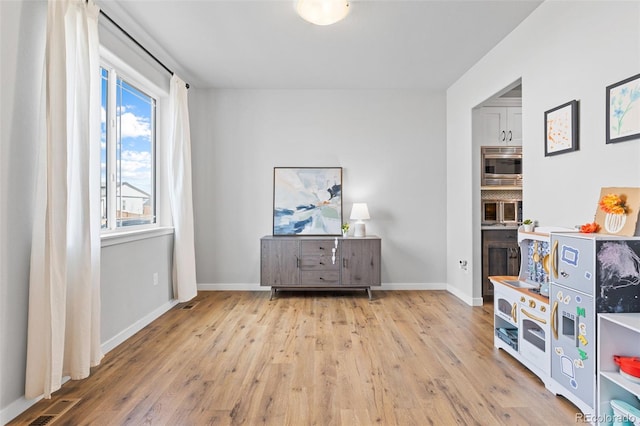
(127, 157)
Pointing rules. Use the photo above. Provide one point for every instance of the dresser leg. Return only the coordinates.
(273, 293)
(369, 292)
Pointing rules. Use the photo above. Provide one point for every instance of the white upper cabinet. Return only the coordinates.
(501, 125)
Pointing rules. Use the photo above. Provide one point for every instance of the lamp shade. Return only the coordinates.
(322, 12)
(359, 211)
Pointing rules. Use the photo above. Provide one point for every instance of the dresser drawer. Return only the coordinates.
(317, 247)
(320, 278)
(319, 263)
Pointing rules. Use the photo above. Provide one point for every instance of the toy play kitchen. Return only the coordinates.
(555, 337)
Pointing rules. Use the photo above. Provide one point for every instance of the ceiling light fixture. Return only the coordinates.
(322, 12)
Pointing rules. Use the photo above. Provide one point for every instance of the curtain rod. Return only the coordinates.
(138, 44)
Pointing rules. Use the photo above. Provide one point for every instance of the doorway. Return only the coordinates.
(497, 122)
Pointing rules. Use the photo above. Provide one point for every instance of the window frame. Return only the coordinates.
(114, 64)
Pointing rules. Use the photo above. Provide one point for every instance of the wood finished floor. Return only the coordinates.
(406, 358)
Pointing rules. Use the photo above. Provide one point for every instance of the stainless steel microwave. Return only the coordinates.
(501, 166)
(501, 211)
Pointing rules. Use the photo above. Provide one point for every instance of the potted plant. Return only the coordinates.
(345, 230)
(527, 225)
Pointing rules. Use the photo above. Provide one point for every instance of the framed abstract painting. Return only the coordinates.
(623, 110)
(307, 201)
(561, 129)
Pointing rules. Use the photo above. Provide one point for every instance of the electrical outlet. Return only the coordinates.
(463, 265)
(155, 278)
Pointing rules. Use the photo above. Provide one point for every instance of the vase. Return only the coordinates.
(345, 234)
(527, 227)
(614, 223)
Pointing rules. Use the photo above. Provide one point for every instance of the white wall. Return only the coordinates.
(563, 51)
(129, 298)
(22, 43)
(389, 143)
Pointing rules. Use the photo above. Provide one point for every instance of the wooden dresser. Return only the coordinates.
(327, 263)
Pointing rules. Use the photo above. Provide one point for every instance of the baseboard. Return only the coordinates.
(21, 405)
(471, 301)
(136, 326)
(232, 287)
(258, 287)
(16, 408)
(411, 286)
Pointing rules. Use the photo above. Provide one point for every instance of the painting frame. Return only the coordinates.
(621, 97)
(561, 129)
(307, 201)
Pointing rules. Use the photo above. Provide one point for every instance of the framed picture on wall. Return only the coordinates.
(623, 110)
(307, 201)
(561, 129)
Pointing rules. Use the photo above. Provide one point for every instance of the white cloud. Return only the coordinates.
(132, 126)
(135, 167)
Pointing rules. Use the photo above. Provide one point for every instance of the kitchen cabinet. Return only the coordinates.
(618, 334)
(501, 125)
(320, 263)
(500, 256)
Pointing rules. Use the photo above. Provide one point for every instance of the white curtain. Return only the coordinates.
(64, 288)
(184, 262)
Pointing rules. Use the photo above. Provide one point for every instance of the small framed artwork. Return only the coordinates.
(561, 129)
(307, 201)
(623, 110)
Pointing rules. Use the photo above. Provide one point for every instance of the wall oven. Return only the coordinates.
(501, 165)
(501, 211)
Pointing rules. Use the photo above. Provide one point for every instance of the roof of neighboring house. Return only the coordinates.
(127, 190)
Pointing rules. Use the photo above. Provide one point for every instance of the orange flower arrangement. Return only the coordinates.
(613, 203)
(589, 228)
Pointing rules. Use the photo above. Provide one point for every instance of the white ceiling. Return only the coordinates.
(424, 44)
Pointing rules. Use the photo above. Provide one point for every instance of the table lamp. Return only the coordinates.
(359, 212)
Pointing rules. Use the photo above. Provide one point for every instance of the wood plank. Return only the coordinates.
(408, 357)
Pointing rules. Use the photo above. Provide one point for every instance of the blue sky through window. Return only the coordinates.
(134, 116)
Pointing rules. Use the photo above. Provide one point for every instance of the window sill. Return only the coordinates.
(122, 237)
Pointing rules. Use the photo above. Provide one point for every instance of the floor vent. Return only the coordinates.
(54, 412)
(189, 306)
(42, 420)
